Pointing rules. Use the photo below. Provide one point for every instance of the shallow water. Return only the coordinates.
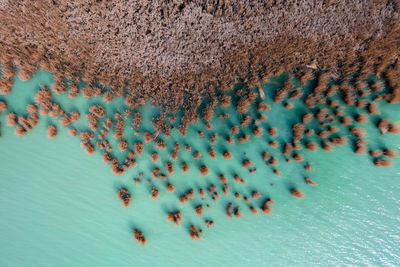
(58, 205)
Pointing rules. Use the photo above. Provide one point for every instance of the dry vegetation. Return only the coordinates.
(172, 52)
(176, 52)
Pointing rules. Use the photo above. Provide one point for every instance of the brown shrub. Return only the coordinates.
(97, 110)
(204, 170)
(383, 163)
(51, 131)
(373, 108)
(3, 105)
(139, 237)
(297, 193)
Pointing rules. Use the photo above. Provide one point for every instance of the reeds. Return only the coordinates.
(175, 217)
(238, 196)
(139, 237)
(255, 194)
(245, 120)
(89, 148)
(298, 130)
(297, 193)
(199, 210)
(382, 163)
(273, 131)
(309, 181)
(276, 172)
(238, 179)
(324, 134)
(237, 212)
(3, 105)
(262, 106)
(361, 147)
(170, 188)
(86, 136)
(307, 118)
(19, 130)
(156, 173)
(394, 128)
(72, 132)
(339, 141)
(212, 153)
(266, 207)
(185, 167)
(97, 110)
(125, 196)
(204, 170)
(257, 131)
(187, 196)
(6, 86)
(288, 105)
(298, 157)
(92, 121)
(311, 146)
(170, 168)
(139, 148)
(253, 210)
(196, 155)
(390, 152)
(225, 101)
(174, 155)
(161, 144)
(358, 132)
(213, 139)
(12, 119)
(208, 112)
(74, 116)
(346, 121)
(247, 163)
(51, 131)
(273, 143)
(229, 210)
(154, 157)
(244, 138)
(222, 178)
(137, 119)
(227, 155)
(154, 193)
(262, 117)
(123, 145)
(373, 108)
(177, 147)
(186, 90)
(73, 90)
(106, 157)
(58, 85)
(194, 233)
(234, 129)
(383, 125)
(119, 129)
(209, 223)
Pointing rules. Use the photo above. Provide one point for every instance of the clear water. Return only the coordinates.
(58, 205)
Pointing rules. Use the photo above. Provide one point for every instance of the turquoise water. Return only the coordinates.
(58, 205)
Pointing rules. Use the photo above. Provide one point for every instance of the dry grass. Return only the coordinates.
(171, 63)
